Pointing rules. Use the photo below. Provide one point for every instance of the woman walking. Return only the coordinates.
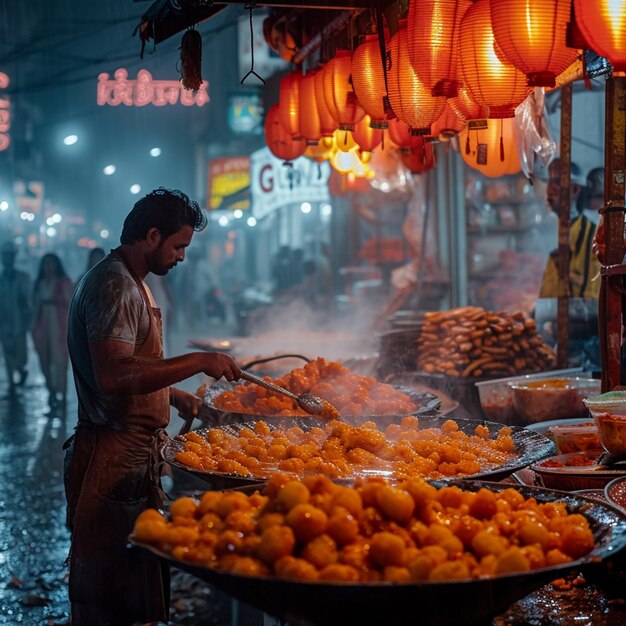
(52, 295)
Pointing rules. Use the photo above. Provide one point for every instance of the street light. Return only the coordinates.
(135, 189)
(155, 152)
(4, 205)
(237, 214)
(104, 233)
(223, 220)
(251, 221)
(305, 207)
(109, 169)
(70, 140)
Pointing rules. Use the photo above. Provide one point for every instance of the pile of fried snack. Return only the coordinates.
(315, 530)
(349, 393)
(337, 449)
(472, 342)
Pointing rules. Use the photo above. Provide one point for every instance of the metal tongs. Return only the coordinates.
(313, 405)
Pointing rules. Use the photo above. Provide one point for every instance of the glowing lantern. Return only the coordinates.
(466, 108)
(491, 82)
(338, 93)
(368, 80)
(400, 135)
(433, 36)
(320, 151)
(447, 125)
(366, 136)
(344, 140)
(531, 35)
(603, 25)
(344, 162)
(308, 118)
(493, 150)
(420, 158)
(410, 99)
(327, 123)
(289, 103)
(279, 141)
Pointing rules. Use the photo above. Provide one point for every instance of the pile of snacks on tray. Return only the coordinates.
(472, 342)
(340, 450)
(315, 530)
(349, 393)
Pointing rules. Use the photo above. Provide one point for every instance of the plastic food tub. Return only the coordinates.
(556, 398)
(609, 413)
(575, 437)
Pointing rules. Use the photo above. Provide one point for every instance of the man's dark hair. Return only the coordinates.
(168, 210)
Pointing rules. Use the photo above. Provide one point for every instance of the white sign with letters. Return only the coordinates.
(274, 185)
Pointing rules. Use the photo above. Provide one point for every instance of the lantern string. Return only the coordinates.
(467, 142)
(250, 8)
(501, 141)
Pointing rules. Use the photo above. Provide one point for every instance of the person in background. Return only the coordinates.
(51, 298)
(95, 256)
(124, 388)
(583, 264)
(15, 316)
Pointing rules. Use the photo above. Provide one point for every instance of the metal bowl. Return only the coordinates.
(468, 602)
(530, 447)
(426, 403)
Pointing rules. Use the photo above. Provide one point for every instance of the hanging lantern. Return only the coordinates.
(289, 103)
(327, 123)
(531, 35)
(366, 136)
(491, 82)
(368, 79)
(279, 141)
(338, 93)
(492, 150)
(433, 37)
(308, 118)
(447, 125)
(420, 158)
(466, 108)
(603, 26)
(410, 99)
(401, 137)
(344, 140)
(320, 151)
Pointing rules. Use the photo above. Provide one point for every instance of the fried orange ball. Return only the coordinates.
(397, 504)
(292, 494)
(321, 551)
(276, 542)
(229, 502)
(183, 507)
(340, 573)
(387, 549)
(294, 568)
(342, 526)
(349, 499)
(307, 521)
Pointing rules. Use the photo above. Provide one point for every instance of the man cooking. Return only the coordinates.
(124, 394)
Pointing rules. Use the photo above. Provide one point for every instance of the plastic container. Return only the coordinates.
(573, 471)
(556, 398)
(496, 396)
(609, 413)
(575, 437)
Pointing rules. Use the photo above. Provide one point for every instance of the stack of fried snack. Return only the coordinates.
(472, 342)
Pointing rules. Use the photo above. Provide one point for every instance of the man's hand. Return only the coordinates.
(218, 364)
(187, 404)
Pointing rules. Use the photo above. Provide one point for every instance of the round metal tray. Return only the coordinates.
(530, 447)
(468, 602)
(426, 403)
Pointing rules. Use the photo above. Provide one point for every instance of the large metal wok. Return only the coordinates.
(426, 403)
(530, 446)
(468, 602)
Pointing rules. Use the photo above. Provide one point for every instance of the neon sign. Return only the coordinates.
(145, 90)
(5, 114)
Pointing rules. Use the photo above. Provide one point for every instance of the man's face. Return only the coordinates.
(170, 251)
(553, 189)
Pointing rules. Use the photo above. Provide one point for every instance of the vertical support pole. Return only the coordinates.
(562, 355)
(611, 304)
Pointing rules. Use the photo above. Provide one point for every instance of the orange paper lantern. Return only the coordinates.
(410, 99)
(492, 150)
(308, 118)
(327, 123)
(603, 25)
(341, 100)
(531, 34)
(433, 36)
(368, 79)
(491, 82)
(466, 108)
(280, 142)
(289, 102)
(400, 135)
(366, 136)
(420, 158)
(447, 125)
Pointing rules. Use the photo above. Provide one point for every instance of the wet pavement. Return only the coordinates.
(34, 540)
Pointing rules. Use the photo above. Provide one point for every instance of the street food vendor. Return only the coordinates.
(584, 266)
(124, 393)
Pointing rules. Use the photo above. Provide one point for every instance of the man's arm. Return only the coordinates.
(118, 371)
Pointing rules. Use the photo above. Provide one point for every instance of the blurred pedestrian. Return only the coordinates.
(125, 390)
(15, 316)
(51, 298)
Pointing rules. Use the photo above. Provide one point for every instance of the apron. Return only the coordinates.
(113, 474)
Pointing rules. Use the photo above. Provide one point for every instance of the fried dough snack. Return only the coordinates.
(340, 450)
(315, 530)
(350, 393)
(472, 342)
